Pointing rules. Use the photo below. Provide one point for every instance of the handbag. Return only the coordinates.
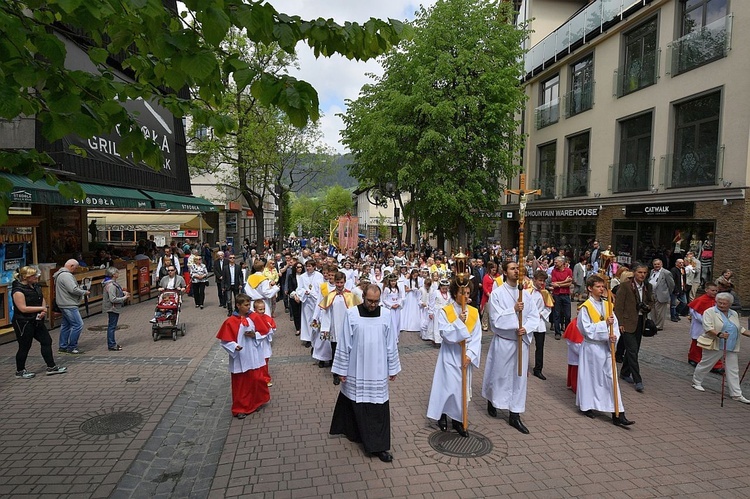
(707, 342)
(649, 328)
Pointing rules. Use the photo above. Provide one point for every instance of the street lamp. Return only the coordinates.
(379, 195)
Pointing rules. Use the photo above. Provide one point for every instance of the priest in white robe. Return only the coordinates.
(502, 386)
(456, 326)
(258, 287)
(366, 359)
(599, 328)
(308, 295)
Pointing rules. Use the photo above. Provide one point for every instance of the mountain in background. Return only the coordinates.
(338, 175)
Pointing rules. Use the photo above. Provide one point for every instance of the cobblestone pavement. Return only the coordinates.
(165, 427)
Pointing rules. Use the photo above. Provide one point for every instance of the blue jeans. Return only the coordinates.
(111, 328)
(70, 328)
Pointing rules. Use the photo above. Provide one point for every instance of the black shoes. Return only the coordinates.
(718, 371)
(459, 427)
(589, 414)
(384, 456)
(539, 375)
(515, 421)
(491, 410)
(622, 420)
(558, 336)
(321, 364)
(336, 379)
(692, 363)
(307, 344)
(443, 423)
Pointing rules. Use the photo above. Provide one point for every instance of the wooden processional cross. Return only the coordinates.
(522, 194)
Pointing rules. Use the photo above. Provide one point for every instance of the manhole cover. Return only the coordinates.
(453, 444)
(134, 379)
(109, 424)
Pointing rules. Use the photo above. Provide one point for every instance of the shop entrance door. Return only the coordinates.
(624, 246)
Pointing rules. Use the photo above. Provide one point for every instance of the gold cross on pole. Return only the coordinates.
(522, 194)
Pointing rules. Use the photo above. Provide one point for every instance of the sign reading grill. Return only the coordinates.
(453, 444)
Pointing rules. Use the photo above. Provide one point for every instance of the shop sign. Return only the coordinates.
(144, 277)
(508, 215)
(184, 233)
(660, 210)
(563, 213)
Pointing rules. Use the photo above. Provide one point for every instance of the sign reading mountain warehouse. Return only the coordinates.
(563, 213)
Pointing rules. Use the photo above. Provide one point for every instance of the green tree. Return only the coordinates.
(441, 121)
(264, 156)
(160, 50)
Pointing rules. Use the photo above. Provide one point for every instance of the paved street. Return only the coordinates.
(166, 429)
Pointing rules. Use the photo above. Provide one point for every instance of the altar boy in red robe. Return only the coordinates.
(246, 362)
(265, 326)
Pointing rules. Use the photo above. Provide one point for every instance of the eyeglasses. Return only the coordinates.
(171, 270)
(231, 258)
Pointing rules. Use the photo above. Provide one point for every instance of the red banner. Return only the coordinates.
(348, 232)
(144, 276)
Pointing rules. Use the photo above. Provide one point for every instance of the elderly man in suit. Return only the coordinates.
(635, 300)
(218, 267)
(233, 281)
(662, 284)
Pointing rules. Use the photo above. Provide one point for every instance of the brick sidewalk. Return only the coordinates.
(189, 446)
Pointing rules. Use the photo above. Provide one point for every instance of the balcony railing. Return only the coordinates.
(579, 100)
(588, 23)
(638, 75)
(576, 184)
(547, 185)
(694, 168)
(630, 177)
(704, 45)
(547, 114)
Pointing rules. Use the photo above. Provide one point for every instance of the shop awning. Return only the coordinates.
(97, 196)
(149, 221)
(163, 200)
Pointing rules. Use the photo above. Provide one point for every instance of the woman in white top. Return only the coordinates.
(411, 319)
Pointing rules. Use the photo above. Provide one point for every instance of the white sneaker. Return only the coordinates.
(699, 387)
(741, 399)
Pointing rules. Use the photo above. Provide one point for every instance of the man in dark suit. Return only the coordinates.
(635, 299)
(232, 281)
(219, 265)
(477, 272)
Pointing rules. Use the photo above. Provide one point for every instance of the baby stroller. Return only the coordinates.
(166, 321)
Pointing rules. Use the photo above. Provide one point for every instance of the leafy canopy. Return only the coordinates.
(441, 121)
(163, 52)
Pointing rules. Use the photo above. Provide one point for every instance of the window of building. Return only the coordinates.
(633, 172)
(696, 143)
(581, 95)
(705, 30)
(577, 176)
(546, 172)
(640, 66)
(548, 111)
(201, 133)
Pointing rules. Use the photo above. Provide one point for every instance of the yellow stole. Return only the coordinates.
(328, 300)
(547, 297)
(471, 320)
(594, 313)
(324, 289)
(499, 280)
(255, 279)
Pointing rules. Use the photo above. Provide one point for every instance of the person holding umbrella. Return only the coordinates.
(723, 323)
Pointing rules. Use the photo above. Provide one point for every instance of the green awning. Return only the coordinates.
(97, 196)
(163, 200)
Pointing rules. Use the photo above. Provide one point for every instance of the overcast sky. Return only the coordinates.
(336, 78)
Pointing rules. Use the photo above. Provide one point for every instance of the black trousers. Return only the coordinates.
(222, 294)
(199, 292)
(230, 296)
(295, 309)
(632, 344)
(363, 422)
(539, 352)
(26, 332)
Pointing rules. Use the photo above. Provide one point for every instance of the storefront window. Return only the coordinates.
(570, 237)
